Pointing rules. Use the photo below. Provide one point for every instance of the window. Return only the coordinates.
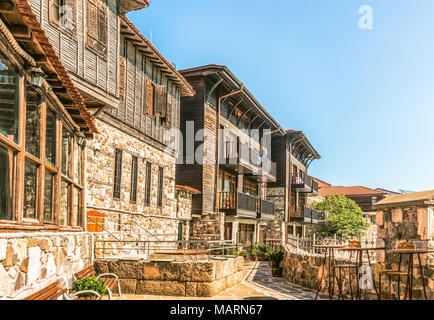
(9, 102)
(50, 137)
(33, 122)
(250, 188)
(63, 12)
(122, 76)
(7, 187)
(66, 152)
(30, 189)
(148, 184)
(150, 97)
(118, 174)
(76, 207)
(160, 186)
(48, 196)
(64, 203)
(97, 26)
(246, 233)
(134, 169)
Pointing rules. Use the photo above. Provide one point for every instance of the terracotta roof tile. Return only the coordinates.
(400, 199)
(348, 191)
(36, 28)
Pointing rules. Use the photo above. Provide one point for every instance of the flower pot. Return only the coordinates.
(276, 271)
(262, 256)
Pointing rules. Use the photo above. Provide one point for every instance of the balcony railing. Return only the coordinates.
(305, 184)
(312, 215)
(241, 202)
(268, 168)
(237, 201)
(267, 207)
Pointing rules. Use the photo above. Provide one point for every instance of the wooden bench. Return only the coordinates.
(57, 289)
(111, 280)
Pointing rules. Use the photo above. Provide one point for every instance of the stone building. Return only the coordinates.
(43, 123)
(406, 218)
(293, 153)
(226, 155)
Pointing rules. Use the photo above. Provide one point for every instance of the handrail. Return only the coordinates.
(102, 227)
(152, 235)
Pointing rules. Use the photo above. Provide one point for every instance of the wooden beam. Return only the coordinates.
(20, 31)
(7, 6)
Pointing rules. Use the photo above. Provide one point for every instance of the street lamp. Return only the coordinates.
(37, 76)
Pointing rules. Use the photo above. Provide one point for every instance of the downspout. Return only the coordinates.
(218, 143)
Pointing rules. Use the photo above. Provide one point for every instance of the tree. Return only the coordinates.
(345, 217)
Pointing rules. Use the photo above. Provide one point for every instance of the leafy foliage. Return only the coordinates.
(91, 283)
(264, 248)
(253, 250)
(276, 255)
(345, 217)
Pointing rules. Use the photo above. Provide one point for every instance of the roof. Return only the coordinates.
(348, 191)
(421, 198)
(234, 82)
(35, 27)
(185, 87)
(298, 138)
(132, 5)
(321, 183)
(188, 189)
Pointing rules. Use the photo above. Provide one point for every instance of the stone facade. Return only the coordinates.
(277, 196)
(159, 221)
(402, 224)
(187, 278)
(32, 261)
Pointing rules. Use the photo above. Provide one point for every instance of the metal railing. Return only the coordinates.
(267, 207)
(150, 250)
(305, 245)
(312, 215)
(246, 202)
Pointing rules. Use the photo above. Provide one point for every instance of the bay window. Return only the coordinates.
(41, 160)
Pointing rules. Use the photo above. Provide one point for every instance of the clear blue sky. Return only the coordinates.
(365, 98)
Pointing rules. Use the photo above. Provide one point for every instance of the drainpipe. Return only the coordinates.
(218, 143)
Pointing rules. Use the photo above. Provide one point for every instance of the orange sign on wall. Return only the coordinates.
(98, 221)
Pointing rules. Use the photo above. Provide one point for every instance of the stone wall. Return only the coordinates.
(397, 225)
(187, 278)
(32, 261)
(274, 228)
(100, 156)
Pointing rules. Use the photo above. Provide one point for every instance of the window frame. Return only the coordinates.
(134, 178)
(92, 41)
(117, 174)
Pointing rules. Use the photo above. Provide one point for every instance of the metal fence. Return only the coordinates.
(305, 245)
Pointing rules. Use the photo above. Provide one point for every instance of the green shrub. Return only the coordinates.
(264, 248)
(253, 250)
(91, 283)
(276, 255)
(242, 252)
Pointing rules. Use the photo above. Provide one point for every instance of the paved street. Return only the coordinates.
(257, 284)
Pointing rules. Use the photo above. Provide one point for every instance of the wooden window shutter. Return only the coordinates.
(73, 5)
(161, 96)
(92, 26)
(149, 101)
(102, 26)
(122, 76)
(169, 106)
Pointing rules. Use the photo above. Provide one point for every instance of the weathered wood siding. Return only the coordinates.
(98, 71)
(131, 109)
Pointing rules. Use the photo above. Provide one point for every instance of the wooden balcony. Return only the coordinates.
(307, 215)
(305, 184)
(267, 169)
(239, 157)
(238, 203)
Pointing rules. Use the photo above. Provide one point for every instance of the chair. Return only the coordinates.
(398, 272)
(349, 266)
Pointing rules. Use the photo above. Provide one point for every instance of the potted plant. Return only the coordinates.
(91, 283)
(262, 253)
(242, 252)
(276, 256)
(252, 252)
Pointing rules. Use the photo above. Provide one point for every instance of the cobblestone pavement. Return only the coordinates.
(258, 284)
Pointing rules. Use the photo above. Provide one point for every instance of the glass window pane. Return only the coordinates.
(76, 211)
(50, 138)
(48, 196)
(66, 153)
(30, 189)
(78, 155)
(64, 203)
(33, 121)
(9, 102)
(7, 172)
